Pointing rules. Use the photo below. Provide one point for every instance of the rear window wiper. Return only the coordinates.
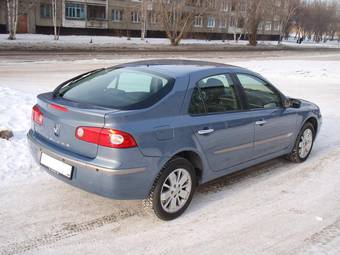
(56, 91)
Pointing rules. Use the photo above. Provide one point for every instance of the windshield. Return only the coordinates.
(123, 88)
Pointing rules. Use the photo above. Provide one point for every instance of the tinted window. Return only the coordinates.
(259, 94)
(213, 95)
(123, 88)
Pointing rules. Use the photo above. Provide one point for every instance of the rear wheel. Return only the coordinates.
(173, 189)
(303, 144)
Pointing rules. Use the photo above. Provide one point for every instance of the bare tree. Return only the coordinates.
(12, 14)
(316, 20)
(236, 7)
(54, 18)
(257, 10)
(177, 17)
(144, 18)
(334, 20)
(286, 11)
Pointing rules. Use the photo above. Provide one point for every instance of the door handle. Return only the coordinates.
(260, 122)
(205, 131)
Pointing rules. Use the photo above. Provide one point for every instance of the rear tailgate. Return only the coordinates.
(59, 125)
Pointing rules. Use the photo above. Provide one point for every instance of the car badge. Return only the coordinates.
(56, 129)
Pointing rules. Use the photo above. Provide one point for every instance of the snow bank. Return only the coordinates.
(15, 114)
(46, 42)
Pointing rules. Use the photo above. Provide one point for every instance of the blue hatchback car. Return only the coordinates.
(156, 129)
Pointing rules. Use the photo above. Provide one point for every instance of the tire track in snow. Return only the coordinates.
(66, 231)
(320, 240)
(327, 234)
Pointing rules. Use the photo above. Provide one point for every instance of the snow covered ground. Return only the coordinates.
(46, 42)
(274, 208)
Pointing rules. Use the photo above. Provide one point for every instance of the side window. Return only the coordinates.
(214, 94)
(259, 94)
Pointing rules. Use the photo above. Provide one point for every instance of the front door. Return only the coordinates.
(223, 130)
(22, 24)
(274, 124)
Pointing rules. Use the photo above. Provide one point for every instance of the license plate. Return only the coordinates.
(56, 165)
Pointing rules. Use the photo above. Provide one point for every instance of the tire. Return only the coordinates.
(297, 155)
(169, 198)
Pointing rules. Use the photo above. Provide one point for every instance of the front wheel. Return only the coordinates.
(173, 189)
(303, 144)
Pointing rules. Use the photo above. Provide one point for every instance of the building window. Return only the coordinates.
(232, 21)
(198, 22)
(96, 12)
(268, 26)
(261, 25)
(194, 3)
(240, 23)
(212, 3)
(135, 17)
(45, 10)
(211, 22)
(117, 15)
(223, 23)
(277, 26)
(243, 7)
(74, 11)
(153, 17)
(225, 6)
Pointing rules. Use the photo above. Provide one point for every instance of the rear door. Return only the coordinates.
(223, 130)
(274, 124)
(62, 117)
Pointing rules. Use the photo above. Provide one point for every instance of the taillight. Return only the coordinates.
(37, 115)
(59, 107)
(106, 137)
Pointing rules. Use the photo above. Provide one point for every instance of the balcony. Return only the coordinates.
(96, 16)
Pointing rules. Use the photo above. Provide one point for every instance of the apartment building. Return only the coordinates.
(3, 17)
(123, 17)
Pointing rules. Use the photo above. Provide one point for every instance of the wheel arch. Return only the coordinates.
(190, 154)
(195, 159)
(313, 120)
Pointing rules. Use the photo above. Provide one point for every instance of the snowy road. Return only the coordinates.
(274, 208)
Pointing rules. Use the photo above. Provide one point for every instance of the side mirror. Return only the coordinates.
(292, 103)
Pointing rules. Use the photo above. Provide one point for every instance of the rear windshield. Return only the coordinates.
(123, 88)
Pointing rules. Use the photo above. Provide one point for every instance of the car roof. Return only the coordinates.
(179, 67)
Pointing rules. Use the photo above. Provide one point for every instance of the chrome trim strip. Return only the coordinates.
(273, 139)
(248, 145)
(239, 147)
(89, 166)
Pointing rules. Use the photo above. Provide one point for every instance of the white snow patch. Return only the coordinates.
(107, 41)
(15, 114)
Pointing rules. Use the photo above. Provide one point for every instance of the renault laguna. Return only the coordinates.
(155, 130)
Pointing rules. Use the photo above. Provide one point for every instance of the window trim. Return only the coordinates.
(239, 97)
(81, 7)
(266, 83)
(116, 11)
(43, 8)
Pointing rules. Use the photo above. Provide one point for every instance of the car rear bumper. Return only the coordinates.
(90, 175)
